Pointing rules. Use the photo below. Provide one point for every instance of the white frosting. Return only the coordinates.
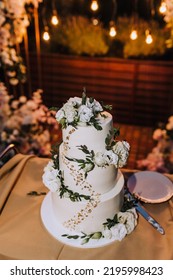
(100, 179)
(89, 216)
(87, 135)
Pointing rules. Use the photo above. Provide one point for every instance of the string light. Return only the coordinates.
(95, 21)
(112, 29)
(133, 34)
(54, 19)
(112, 25)
(163, 7)
(46, 35)
(149, 38)
(94, 5)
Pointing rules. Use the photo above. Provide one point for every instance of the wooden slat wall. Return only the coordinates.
(141, 92)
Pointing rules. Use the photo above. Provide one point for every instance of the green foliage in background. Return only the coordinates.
(77, 35)
(138, 48)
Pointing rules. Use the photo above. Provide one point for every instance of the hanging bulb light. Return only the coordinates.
(163, 7)
(95, 21)
(133, 34)
(94, 5)
(46, 35)
(148, 38)
(112, 29)
(54, 19)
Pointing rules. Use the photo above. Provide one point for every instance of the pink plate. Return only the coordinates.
(151, 187)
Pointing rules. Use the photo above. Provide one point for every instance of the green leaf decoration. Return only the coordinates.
(84, 149)
(97, 126)
(35, 193)
(70, 236)
(96, 235)
(116, 132)
(111, 222)
(107, 107)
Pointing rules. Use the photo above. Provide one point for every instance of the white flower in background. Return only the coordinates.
(14, 20)
(160, 158)
(3, 136)
(168, 16)
(22, 99)
(50, 177)
(169, 125)
(85, 114)
(158, 134)
(28, 121)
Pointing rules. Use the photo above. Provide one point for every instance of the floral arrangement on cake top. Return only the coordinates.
(81, 111)
(27, 123)
(161, 157)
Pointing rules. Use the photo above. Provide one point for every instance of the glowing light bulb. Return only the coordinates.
(163, 7)
(46, 35)
(54, 20)
(94, 6)
(133, 35)
(112, 31)
(95, 21)
(149, 38)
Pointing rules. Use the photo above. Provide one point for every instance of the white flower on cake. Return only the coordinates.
(99, 159)
(85, 114)
(119, 231)
(111, 158)
(51, 177)
(129, 219)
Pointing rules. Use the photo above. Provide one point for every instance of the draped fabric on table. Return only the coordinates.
(23, 236)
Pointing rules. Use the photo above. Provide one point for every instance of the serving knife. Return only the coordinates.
(140, 209)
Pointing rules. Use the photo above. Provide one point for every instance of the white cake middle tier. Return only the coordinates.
(89, 216)
(99, 180)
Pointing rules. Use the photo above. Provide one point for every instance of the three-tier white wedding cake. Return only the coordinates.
(84, 177)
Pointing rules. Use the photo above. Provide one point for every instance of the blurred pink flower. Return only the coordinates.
(27, 123)
(161, 157)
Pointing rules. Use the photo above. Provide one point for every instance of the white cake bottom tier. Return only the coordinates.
(89, 216)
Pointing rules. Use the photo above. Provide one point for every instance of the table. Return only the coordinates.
(23, 236)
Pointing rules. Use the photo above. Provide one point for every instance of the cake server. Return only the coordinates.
(140, 209)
